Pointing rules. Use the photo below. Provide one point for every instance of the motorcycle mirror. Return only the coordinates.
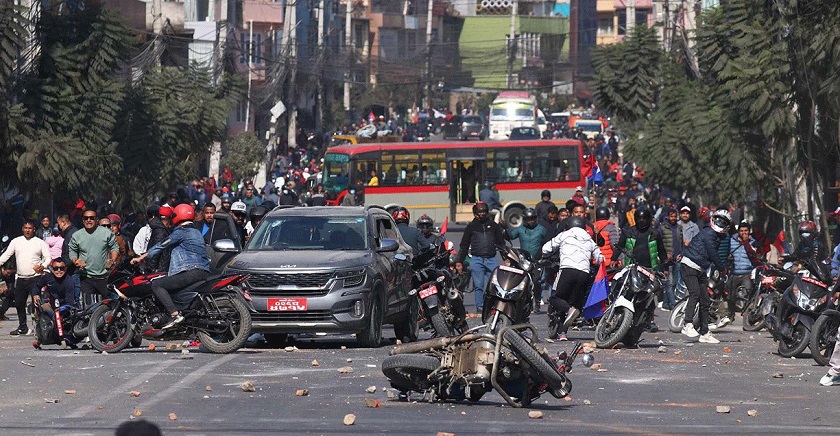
(588, 360)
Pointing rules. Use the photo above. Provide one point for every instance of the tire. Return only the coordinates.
(513, 217)
(409, 372)
(631, 339)
(438, 323)
(237, 333)
(752, 319)
(371, 336)
(611, 331)
(796, 344)
(275, 340)
(823, 338)
(408, 328)
(554, 324)
(676, 320)
(136, 341)
(559, 385)
(112, 339)
(80, 328)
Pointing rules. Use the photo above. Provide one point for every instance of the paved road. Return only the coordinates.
(641, 391)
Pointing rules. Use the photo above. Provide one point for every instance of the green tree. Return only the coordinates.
(244, 153)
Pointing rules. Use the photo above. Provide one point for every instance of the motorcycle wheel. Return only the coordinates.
(136, 341)
(113, 338)
(676, 320)
(80, 328)
(796, 344)
(439, 324)
(752, 318)
(823, 338)
(554, 324)
(409, 372)
(558, 385)
(611, 329)
(238, 331)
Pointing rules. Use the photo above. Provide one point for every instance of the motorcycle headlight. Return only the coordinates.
(526, 264)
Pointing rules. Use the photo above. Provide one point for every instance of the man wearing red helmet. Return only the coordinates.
(189, 262)
(410, 235)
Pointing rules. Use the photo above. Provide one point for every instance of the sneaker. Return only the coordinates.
(652, 327)
(830, 380)
(562, 337)
(713, 326)
(19, 331)
(30, 332)
(708, 339)
(571, 316)
(689, 331)
(659, 305)
(723, 322)
(175, 321)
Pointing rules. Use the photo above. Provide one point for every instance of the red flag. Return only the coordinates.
(596, 302)
(444, 226)
(588, 165)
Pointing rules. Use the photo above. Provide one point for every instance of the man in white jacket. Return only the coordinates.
(577, 249)
(32, 255)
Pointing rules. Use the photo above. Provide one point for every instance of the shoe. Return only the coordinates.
(652, 327)
(708, 339)
(723, 322)
(175, 321)
(571, 316)
(830, 380)
(562, 337)
(19, 331)
(30, 332)
(713, 326)
(689, 331)
(659, 305)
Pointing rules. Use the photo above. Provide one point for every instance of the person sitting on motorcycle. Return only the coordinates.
(411, 235)
(744, 259)
(577, 249)
(810, 248)
(189, 263)
(426, 226)
(702, 252)
(57, 286)
(530, 236)
(643, 242)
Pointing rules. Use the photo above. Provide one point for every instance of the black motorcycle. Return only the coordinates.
(824, 334)
(509, 295)
(217, 311)
(632, 303)
(441, 305)
(717, 304)
(800, 306)
(769, 282)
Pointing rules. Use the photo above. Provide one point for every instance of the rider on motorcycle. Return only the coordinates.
(411, 235)
(530, 235)
(810, 248)
(426, 224)
(189, 262)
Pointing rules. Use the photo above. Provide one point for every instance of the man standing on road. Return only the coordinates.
(744, 258)
(32, 256)
(689, 227)
(207, 225)
(530, 235)
(481, 237)
(672, 238)
(543, 206)
(94, 251)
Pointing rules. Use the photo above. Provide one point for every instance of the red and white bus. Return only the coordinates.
(442, 179)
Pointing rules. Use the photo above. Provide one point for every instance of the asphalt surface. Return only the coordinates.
(638, 391)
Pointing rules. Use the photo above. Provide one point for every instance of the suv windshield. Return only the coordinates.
(309, 233)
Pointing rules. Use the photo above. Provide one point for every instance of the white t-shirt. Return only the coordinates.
(141, 240)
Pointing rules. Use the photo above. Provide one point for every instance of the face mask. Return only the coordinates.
(805, 235)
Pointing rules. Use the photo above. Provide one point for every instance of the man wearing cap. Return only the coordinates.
(238, 211)
(115, 226)
(578, 197)
(250, 199)
(160, 230)
(689, 228)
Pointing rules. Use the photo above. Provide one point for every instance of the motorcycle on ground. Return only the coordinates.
(217, 311)
(441, 305)
(495, 355)
(717, 306)
(631, 305)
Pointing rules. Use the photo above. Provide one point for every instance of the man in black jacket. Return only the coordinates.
(67, 229)
(481, 237)
(160, 226)
(543, 206)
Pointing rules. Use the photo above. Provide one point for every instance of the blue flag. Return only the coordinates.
(596, 302)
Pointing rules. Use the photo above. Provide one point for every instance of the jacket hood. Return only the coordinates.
(300, 259)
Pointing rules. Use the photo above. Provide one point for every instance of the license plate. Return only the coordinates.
(474, 133)
(286, 304)
(511, 269)
(428, 292)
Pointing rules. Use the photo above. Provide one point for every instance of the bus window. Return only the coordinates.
(337, 172)
(565, 163)
(434, 168)
(504, 166)
(408, 168)
(363, 169)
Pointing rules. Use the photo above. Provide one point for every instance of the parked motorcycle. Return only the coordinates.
(631, 307)
(441, 305)
(495, 355)
(51, 320)
(217, 311)
(800, 306)
(718, 304)
(768, 284)
(824, 334)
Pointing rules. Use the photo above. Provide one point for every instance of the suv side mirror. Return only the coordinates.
(225, 245)
(386, 245)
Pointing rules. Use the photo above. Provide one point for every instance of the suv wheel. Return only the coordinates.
(408, 328)
(372, 334)
(275, 340)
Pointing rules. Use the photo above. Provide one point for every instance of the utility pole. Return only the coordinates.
(512, 44)
(348, 34)
(157, 27)
(250, 48)
(319, 102)
(631, 17)
(290, 27)
(427, 100)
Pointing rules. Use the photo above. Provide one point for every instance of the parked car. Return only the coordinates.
(452, 127)
(472, 126)
(328, 269)
(524, 133)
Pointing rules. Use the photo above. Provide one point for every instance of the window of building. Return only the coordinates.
(252, 48)
(241, 111)
(605, 26)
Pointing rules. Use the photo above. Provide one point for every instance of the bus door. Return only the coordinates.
(464, 183)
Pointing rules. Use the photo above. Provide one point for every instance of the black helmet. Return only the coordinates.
(530, 218)
(575, 221)
(425, 224)
(602, 213)
(546, 193)
(642, 217)
(488, 184)
(257, 213)
(481, 210)
(808, 229)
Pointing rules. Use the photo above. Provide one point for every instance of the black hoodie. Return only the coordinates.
(159, 234)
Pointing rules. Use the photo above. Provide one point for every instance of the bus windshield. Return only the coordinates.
(511, 111)
(336, 172)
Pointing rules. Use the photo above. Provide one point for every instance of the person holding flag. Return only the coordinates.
(577, 250)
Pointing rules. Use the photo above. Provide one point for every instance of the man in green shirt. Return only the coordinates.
(94, 251)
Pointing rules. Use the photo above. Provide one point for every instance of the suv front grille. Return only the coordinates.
(300, 280)
(309, 316)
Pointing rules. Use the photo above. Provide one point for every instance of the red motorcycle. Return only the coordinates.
(217, 312)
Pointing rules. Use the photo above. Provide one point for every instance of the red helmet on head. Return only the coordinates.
(401, 215)
(808, 229)
(166, 211)
(183, 212)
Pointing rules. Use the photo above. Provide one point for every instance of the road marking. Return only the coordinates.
(200, 372)
(123, 389)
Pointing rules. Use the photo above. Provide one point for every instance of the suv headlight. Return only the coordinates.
(351, 277)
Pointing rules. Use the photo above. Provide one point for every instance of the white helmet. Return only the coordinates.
(238, 207)
(720, 221)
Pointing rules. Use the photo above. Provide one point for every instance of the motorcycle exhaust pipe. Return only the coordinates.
(435, 343)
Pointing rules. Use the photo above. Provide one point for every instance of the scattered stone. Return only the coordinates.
(440, 433)
(290, 348)
(151, 347)
(51, 400)
(345, 370)
(349, 360)
(677, 353)
(344, 347)
(463, 413)
(722, 409)
(595, 366)
(661, 349)
(390, 394)
(171, 346)
(587, 402)
(349, 419)
(301, 392)
(104, 353)
(138, 412)
(206, 396)
(549, 340)
(535, 414)
(727, 350)
(69, 392)
(208, 389)
(399, 342)
(185, 351)
(370, 402)
(602, 370)
(173, 416)
(134, 393)
(315, 363)
(247, 386)
(567, 399)
(590, 345)
(27, 363)
(778, 375)
(371, 389)
(587, 350)
(752, 412)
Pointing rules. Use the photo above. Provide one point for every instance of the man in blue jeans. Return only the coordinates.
(481, 237)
